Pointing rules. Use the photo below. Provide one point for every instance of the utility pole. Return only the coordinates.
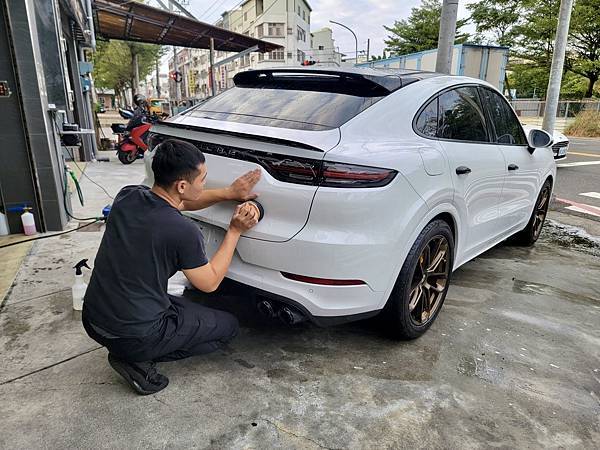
(368, 48)
(157, 78)
(211, 57)
(443, 63)
(175, 68)
(558, 61)
(136, 74)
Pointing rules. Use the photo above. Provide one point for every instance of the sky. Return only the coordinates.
(365, 17)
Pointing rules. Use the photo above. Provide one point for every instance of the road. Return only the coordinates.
(577, 189)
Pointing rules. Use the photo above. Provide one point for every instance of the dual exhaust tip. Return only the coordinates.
(287, 314)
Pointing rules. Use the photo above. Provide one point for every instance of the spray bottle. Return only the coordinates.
(28, 222)
(80, 286)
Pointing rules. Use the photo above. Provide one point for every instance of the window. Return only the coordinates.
(259, 7)
(245, 16)
(300, 56)
(507, 128)
(298, 9)
(260, 30)
(276, 55)
(291, 107)
(460, 116)
(290, 31)
(289, 55)
(261, 57)
(301, 34)
(321, 47)
(426, 123)
(303, 15)
(275, 29)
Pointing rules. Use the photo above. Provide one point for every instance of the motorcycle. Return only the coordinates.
(132, 141)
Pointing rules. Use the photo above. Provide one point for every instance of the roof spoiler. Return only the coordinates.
(335, 81)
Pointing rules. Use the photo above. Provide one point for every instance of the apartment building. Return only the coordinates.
(283, 22)
(322, 48)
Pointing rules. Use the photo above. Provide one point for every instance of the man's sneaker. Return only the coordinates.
(141, 376)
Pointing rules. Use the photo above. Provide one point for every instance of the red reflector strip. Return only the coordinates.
(356, 175)
(322, 281)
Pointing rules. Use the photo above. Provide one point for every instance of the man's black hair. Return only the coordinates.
(176, 160)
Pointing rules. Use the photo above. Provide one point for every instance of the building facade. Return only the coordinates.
(45, 79)
(283, 22)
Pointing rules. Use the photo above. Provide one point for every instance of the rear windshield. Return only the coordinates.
(284, 108)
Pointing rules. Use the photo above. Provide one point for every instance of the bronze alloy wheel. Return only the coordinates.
(429, 280)
(541, 209)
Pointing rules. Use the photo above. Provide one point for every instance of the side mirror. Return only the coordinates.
(538, 139)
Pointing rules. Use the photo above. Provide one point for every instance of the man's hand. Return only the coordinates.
(244, 218)
(241, 189)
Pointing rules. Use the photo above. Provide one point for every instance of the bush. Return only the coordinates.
(586, 124)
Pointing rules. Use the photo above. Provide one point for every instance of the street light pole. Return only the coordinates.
(355, 39)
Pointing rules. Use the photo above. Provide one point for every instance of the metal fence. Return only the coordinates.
(566, 109)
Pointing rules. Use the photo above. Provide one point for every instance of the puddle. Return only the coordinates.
(570, 237)
(479, 368)
(528, 287)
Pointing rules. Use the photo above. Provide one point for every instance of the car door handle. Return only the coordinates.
(462, 170)
(513, 167)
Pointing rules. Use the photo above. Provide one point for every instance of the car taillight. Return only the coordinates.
(293, 169)
(352, 176)
(322, 281)
(327, 174)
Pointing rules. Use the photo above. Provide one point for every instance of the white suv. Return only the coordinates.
(376, 184)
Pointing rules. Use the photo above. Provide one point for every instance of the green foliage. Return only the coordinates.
(583, 57)
(421, 30)
(497, 17)
(113, 63)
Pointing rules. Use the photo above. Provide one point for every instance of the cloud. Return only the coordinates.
(365, 17)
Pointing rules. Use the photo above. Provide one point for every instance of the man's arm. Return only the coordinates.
(208, 198)
(239, 190)
(208, 277)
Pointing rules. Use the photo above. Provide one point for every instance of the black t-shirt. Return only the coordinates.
(146, 242)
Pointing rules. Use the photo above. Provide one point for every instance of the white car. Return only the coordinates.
(376, 185)
(560, 142)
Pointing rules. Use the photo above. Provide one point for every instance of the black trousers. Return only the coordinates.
(188, 329)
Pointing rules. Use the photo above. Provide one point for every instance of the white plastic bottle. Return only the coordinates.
(28, 222)
(3, 225)
(80, 286)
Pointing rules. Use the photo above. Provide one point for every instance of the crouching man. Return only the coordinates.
(147, 240)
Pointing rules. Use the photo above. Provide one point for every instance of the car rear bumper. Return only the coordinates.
(315, 300)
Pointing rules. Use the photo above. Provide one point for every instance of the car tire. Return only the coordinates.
(410, 310)
(126, 157)
(530, 234)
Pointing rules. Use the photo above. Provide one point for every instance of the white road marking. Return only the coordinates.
(581, 210)
(581, 207)
(591, 194)
(581, 163)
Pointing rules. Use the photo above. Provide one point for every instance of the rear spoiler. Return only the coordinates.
(254, 137)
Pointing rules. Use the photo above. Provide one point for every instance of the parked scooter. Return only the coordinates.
(132, 141)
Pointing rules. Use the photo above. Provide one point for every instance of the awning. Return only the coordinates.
(132, 21)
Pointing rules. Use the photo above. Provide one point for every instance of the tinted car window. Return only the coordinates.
(428, 119)
(285, 108)
(460, 116)
(507, 127)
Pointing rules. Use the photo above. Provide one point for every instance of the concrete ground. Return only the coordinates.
(513, 361)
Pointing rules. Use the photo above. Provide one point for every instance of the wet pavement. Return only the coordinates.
(513, 360)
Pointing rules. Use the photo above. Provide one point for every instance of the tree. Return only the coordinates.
(421, 30)
(113, 63)
(498, 17)
(583, 54)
